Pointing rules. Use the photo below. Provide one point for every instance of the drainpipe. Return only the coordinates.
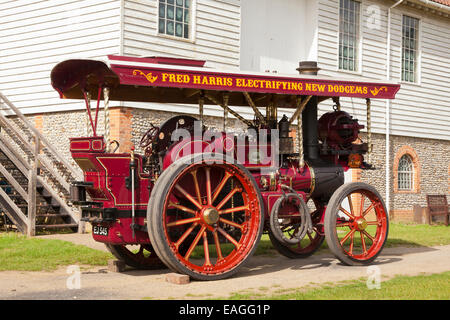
(388, 104)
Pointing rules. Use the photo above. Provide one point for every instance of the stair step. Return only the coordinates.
(54, 226)
(50, 215)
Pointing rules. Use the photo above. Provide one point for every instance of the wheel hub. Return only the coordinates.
(361, 224)
(211, 216)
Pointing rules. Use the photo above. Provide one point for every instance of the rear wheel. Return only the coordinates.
(137, 256)
(206, 217)
(356, 223)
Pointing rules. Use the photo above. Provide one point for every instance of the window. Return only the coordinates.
(406, 170)
(349, 12)
(405, 173)
(410, 28)
(174, 18)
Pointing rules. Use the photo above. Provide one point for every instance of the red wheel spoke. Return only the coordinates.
(194, 243)
(230, 210)
(347, 236)
(206, 249)
(184, 221)
(347, 213)
(208, 185)
(350, 203)
(373, 223)
(231, 223)
(221, 185)
(188, 196)
(185, 235)
(368, 236)
(230, 238)
(345, 224)
(218, 249)
(182, 208)
(197, 188)
(368, 209)
(361, 208)
(227, 198)
(363, 243)
(352, 242)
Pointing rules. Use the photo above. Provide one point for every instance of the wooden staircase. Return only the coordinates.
(34, 178)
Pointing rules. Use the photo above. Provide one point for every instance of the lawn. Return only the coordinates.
(20, 253)
(423, 287)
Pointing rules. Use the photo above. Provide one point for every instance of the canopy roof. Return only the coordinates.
(168, 80)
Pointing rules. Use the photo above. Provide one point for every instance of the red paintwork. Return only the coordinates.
(120, 232)
(210, 80)
(124, 74)
(108, 171)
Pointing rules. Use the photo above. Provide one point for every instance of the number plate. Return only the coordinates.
(101, 231)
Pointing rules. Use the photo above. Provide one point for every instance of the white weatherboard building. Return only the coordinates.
(403, 41)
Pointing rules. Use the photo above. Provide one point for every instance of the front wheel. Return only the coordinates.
(356, 223)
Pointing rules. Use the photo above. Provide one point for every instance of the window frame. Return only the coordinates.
(415, 187)
(417, 75)
(409, 172)
(191, 24)
(358, 42)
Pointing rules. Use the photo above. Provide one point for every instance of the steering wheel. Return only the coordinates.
(149, 136)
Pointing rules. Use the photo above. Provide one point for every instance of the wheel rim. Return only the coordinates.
(211, 218)
(361, 225)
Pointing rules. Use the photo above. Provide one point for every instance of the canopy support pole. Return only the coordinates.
(301, 104)
(248, 123)
(226, 98)
(369, 129)
(301, 157)
(255, 109)
(201, 102)
(106, 111)
(90, 129)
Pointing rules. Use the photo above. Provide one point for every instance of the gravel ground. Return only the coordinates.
(262, 274)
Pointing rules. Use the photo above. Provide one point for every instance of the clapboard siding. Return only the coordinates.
(420, 110)
(36, 35)
(216, 33)
(216, 39)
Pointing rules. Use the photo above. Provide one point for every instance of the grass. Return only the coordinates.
(20, 253)
(423, 287)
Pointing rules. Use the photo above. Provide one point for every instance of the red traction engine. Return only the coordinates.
(198, 200)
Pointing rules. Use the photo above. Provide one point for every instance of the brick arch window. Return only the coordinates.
(406, 171)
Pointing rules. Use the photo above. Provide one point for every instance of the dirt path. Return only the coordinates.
(262, 274)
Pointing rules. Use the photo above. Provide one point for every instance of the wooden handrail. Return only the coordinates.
(40, 137)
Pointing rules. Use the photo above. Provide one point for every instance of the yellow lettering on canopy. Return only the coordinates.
(197, 79)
